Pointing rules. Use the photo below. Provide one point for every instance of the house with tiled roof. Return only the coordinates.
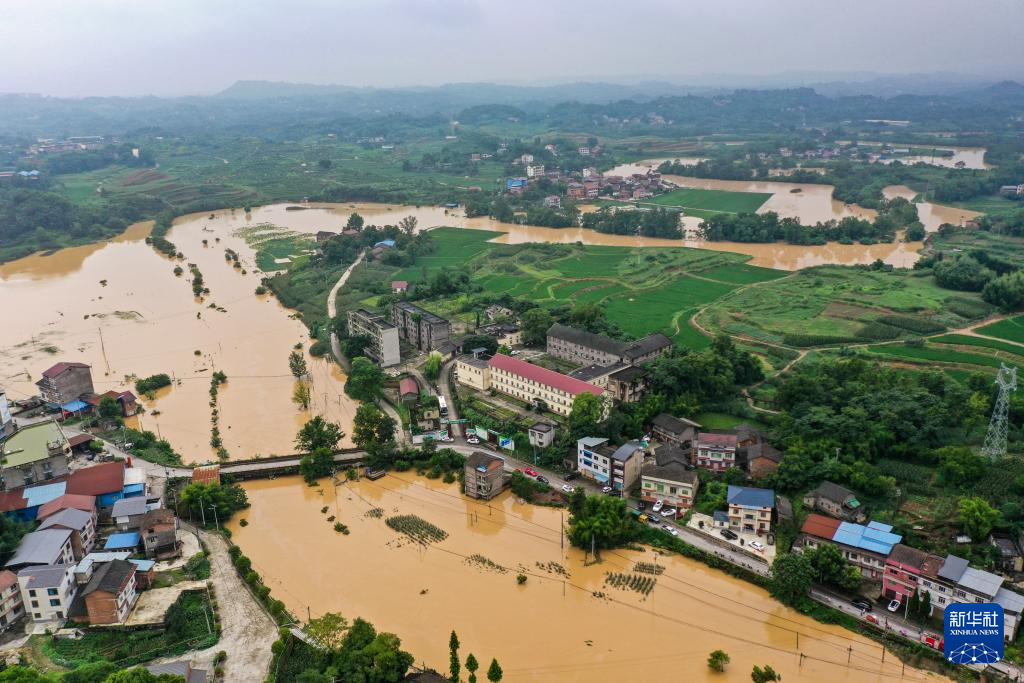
(835, 501)
(68, 501)
(750, 509)
(484, 475)
(715, 451)
(81, 523)
(531, 383)
(672, 483)
(65, 382)
(867, 547)
(111, 593)
(903, 568)
(951, 580)
(11, 605)
(678, 431)
(45, 547)
(48, 592)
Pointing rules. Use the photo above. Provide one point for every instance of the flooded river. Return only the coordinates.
(558, 626)
(971, 157)
(119, 307)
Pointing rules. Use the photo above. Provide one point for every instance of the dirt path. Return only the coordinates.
(247, 630)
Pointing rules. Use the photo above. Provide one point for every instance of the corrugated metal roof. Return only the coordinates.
(540, 375)
(751, 497)
(875, 537)
(980, 581)
(127, 539)
(820, 526)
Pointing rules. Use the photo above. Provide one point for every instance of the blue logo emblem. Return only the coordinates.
(974, 633)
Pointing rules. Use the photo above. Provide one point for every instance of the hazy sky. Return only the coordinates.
(169, 47)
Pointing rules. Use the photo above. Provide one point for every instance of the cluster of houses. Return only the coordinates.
(880, 556)
(68, 387)
(96, 539)
(589, 184)
(417, 327)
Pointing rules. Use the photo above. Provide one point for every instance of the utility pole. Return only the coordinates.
(215, 520)
(202, 510)
(103, 348)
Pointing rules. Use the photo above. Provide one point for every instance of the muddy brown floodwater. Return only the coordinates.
(557, 626)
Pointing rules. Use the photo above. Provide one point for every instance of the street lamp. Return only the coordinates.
(215, 520)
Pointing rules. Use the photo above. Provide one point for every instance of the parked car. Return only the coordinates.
(658, 504)
(616, 493)
(671, 529)
(726, 533)
(542, 479)
(472, 440)
(894, 605)
(641, 505)
(654, 519)
(862, 604)
(756, 545)
(530, 472)
(567, 488)
(606, 489)
(669, 512)
(570, 476)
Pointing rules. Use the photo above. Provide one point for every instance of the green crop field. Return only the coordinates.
(935, 354)
(835, 302)
(967, 340)
(742, 274)
(1011, 329)
(712, 200)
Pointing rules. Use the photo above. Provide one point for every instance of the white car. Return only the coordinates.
(756, 545)
(658, 505)
(472, 440)
(567, 488)
(668, 512)
(894, 605)
(606, 489)
(671, 529)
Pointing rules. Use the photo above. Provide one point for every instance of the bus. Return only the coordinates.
(443, 406)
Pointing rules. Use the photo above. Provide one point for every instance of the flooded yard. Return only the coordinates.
(565, 623)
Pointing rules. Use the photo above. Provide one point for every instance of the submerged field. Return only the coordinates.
(715, 201)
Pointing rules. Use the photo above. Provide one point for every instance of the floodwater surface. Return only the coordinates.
(563, 624)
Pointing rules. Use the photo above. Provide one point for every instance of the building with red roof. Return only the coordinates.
(11, 605)
(105, 481)
(69, 501)
(715, 451)
(66, 382)
(532, 383)
(207, 474)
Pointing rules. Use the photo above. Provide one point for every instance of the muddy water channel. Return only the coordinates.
(119, 307)
(564, 624)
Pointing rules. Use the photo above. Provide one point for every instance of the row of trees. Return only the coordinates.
(656, 222)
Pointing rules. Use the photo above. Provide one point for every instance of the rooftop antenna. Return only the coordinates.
(995, 439)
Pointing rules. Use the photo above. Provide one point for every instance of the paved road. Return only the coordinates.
(332, 308)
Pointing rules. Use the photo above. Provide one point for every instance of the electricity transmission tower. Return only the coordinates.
(995, 439)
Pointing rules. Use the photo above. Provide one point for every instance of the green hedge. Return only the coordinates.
(906, 322)
(802, 340)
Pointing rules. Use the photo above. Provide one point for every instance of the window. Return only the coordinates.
(51, 591)
(35, 603)
(32, 592)
(54, 602)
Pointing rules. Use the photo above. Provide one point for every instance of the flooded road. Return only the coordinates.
(119, 307)
(564, 624)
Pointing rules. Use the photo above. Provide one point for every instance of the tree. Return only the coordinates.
(454, 667)
(534, 324)
(95, 672)
(141, 675)
(958, 465)
(587, 411)
(226, 498)
(765, 675)
(301, 395)
(319, 463)
(318, 433)
(327, 630)
(365, 380)
(471, 666)
(480, 341)
(432, 368)
(110, 408)
(370, 425)
(494, 672)
(355, 222)
(408, 225)
(830, 567)
(297, 364)
(603, 522)
(977, 517)
(791, 577)
(717, 660)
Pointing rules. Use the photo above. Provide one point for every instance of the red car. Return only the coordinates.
(532, 472)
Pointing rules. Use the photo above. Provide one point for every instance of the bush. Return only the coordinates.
(802, 340)
(906, 322)
(521, 579)
(198, 567)
(152, 383)
(876, 331)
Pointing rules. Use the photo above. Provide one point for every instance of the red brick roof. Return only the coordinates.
(716, 439)
(820, 526)
(61, 367)
(408, 386)
(97, 480)
(208, 474)
(556, 380)
(7, 579)
(67, 501)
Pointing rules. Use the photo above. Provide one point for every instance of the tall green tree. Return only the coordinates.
(534, 324)
(318, 433)
(830, 567)
(791, 577)
(494, 672)
(109, 408)
(365, 379)
(319, 463)
(718, 659)
(371, 425)
(765, 675)
(977, 517)
(454, 666)
(587, 412)
(297, 364)
(328, 630)
(471, 666)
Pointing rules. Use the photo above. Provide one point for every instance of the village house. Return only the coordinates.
(835, 501)
(903, 569)
(35, 453)
(399, 286)
(623, 383)
(324, 235)
(384, 346)
(159, 530)
(714, 451)
(535, 171)
(206, 474)
(1011, 559)
(671, 483)
(541, 434)
(65, 382)
(750, 509)
(81, 523)
(587, 348)
(599, 461)
(677, 431)
(865, 547)
(952, 580)
(48, 591)
(484, 475)
(127, 513)
(408, 390)
(110, 594)
(420, 327)
(45, 547)
(473, 372)
(760, 459)
(127, 401)
(553, 201)
(667, 453)
(576, 191)
(11, 606)
(123, 540)
(506, 334)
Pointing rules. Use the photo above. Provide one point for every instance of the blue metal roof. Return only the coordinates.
(143, 565)
(127, 539)
(74, 406)
(875, 537)
(751, 497)
(385, 243)
(41, 495)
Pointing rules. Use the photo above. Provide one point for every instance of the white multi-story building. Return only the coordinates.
(48, 591)
(384, 344)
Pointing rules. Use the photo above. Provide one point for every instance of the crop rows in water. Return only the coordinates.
(648, 568)
(375, 513)
(417, 528)
(553, 568)
(486, 563)
(634, 582)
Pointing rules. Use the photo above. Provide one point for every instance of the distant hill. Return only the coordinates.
(258, 90)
